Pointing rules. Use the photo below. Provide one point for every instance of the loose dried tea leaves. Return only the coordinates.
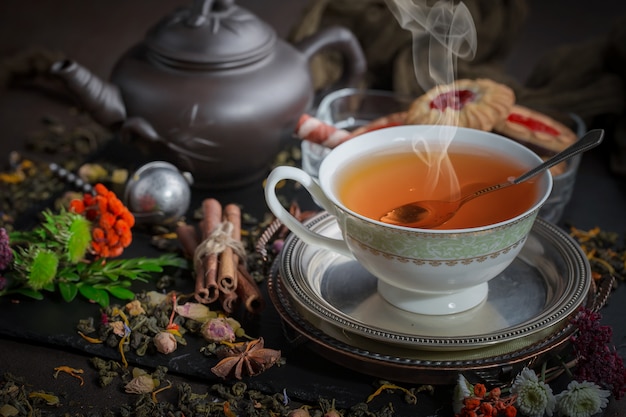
(25, 185)
(28, 183)
(155, 323)
(605, 252)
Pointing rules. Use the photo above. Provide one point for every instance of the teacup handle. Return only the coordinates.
(294, 225)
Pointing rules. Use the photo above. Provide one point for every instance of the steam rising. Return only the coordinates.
(447, 31)
(445, 28)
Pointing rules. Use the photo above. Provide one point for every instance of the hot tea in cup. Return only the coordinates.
(429, 271)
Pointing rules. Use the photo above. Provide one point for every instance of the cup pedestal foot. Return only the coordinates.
(434, 303)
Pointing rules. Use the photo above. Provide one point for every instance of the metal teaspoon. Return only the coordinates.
(432, 213)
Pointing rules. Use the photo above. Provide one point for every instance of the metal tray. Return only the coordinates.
(548, 281)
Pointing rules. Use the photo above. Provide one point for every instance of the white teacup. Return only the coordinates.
(425, 271)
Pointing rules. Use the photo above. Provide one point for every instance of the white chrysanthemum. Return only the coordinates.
(462, 390)
(582, 399)
(534, 397)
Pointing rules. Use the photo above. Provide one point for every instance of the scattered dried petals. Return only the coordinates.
(134, 308)
(8, 410)
(141, 384)
(118, 328)
(195, 311)
(70, 371)
(412, 399)
(89, 339)
(50, 399)
(154, 298)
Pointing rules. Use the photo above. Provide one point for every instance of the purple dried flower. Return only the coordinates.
(6, 254)
(218, 330)
(597, 361)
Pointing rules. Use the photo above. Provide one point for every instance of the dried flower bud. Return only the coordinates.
(141, 384)
(218, 330)
(134, 308)
(165, 342)
(195, 311)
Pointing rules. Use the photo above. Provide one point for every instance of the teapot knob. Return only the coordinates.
(200, 10)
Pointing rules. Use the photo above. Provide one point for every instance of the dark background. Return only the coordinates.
(97, 32)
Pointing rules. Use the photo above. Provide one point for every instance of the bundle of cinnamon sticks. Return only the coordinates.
(219, 258)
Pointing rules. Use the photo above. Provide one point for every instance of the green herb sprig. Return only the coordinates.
(57, 256)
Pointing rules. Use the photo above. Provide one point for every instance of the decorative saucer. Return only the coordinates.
(495, 364)
(530, 300)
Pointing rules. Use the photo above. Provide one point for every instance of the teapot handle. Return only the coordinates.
(345, 42)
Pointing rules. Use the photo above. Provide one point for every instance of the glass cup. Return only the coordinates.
(348, 109)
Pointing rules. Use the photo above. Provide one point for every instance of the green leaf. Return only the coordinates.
(96, 295)
(68, 274)
(121, 293)
(150, 267)
(68, 290)
(30, 293)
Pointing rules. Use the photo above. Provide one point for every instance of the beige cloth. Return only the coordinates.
(588, 79)
(388, 47)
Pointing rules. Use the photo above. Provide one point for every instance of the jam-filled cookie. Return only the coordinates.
(478, 104)
(536, 129)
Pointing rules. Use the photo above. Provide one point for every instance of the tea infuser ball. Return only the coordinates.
(158, 193)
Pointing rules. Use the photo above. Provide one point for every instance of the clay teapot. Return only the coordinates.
(211, 89)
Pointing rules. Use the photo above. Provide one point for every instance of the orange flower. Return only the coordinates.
(98, 235)
(91, 214)
(107, 220)
(471, 403)
(100, 189)
(487, 409)
(128, 217)
(77, 206)
(467, 413)
(495, 393)
(112, 221)
(121, 227)
(113, 239)
(116, 207)
(125, 239)
(480, 390)
(510, 411)
(115, 252)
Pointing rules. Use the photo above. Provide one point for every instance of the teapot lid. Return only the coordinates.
(211, 33)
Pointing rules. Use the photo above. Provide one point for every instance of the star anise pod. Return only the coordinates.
(248, 359)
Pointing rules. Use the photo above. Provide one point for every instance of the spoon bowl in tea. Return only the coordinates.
(427, 214)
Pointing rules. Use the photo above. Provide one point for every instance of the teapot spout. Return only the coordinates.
(101, 99)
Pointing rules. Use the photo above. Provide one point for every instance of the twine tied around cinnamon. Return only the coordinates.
(220, 239)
